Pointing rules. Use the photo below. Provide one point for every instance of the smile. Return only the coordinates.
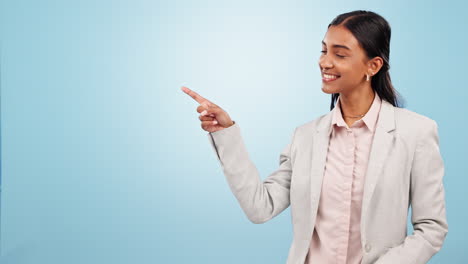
(329, 77)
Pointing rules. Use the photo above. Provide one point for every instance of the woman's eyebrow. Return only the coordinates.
(337, 46)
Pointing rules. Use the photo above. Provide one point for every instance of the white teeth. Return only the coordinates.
(328, 76)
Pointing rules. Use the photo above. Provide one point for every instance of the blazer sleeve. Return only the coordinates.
(427, 203)
(260, 200)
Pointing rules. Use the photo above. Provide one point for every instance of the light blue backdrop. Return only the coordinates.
(103, 156)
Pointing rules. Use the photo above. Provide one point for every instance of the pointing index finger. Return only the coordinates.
(194, 95)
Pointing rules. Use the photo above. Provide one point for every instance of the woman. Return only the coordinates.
(351, 174)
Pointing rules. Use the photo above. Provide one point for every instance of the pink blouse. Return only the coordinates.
(337, 234)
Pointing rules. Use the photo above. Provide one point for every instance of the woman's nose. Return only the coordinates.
(324, 62)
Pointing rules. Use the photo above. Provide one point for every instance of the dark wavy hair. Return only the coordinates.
(373, 33)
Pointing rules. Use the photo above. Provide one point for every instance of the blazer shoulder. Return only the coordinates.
(413, 126)
(408, 118)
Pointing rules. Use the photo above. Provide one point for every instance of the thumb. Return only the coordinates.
(207, 104)
(209, 108)
(211, 111)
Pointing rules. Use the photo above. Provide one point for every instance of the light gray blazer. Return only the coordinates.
(405, 168)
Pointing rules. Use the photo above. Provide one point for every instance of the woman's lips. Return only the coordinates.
(329, 77)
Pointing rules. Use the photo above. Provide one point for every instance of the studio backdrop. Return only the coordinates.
(103, 159)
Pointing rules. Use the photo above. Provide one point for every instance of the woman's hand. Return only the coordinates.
(212, 117)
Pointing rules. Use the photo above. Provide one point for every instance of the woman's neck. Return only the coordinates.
(355, 104)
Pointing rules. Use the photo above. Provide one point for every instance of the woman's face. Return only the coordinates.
(343, 63)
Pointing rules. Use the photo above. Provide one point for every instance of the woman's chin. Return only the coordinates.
(328, 90)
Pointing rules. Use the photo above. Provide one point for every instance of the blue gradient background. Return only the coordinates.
(103, 156)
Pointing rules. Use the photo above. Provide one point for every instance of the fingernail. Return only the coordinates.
(215, 122)
(203, 113)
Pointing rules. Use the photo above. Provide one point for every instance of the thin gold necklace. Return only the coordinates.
(355, 116)
(352, 116)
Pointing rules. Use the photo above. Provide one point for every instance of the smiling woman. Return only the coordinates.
(351, 174)
(357, 45)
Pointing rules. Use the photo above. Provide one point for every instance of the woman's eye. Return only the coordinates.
(340, 56)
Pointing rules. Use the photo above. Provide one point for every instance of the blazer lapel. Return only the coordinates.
(381, 145)
(319, 155)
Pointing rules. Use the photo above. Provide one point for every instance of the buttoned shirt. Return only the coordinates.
(337, 233)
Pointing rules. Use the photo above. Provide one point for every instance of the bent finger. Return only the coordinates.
(206, 118)
(208, 124)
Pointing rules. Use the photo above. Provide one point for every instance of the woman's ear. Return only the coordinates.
(375, 64)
